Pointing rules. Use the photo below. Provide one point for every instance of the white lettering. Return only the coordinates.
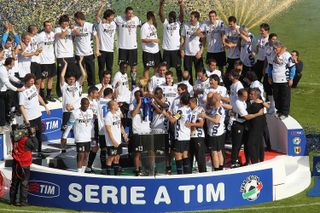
(162, 196)
(123, 195)
(75, 193)
(186, 192)
(109, 192)
(200, 193)
(92, 193)
(213, 194)
(136, 193)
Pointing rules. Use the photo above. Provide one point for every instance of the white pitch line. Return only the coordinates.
(266, 208)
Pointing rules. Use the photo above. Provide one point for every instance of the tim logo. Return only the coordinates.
(52, 124)
(296, 133)
(44, 189)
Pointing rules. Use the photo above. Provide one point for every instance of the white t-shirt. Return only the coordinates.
(113, 120)
(217, 72)
(234, 88)
(99, 86)
(201, 86)
(183, 115)
(140, 126)
(24, 63)
(83, 124)
(216, 129)
(160, 123)
(246, 51)
(46, 41)
(232, 36)
(123, 88)
(213, 33)
(261, 47)
(64, 46)
(192, 41)
(103, 110)
(281, 65)
(270, 54)
(155, 82)
(171, 35)
(83, 41)
(4, 80)
(240, 108)
(259, 85)
(29, 99)
(149, 31)
(175, 105)
(106, 32)
(169, 92)
(197, 132)
(220, 89)
(127, 32)
(70, 94)
(34, 43)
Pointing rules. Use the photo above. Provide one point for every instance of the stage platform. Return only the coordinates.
(283, 174)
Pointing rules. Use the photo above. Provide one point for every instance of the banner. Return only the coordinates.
(108, 194)
(297, 143)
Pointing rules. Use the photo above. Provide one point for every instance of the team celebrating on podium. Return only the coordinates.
(204, 85)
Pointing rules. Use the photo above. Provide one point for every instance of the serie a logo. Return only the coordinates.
(251, 188)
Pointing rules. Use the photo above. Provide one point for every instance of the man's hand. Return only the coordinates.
(270, 81)
(290, 82)
(47, 110)
(199, 55)
(76, 31)
(98, 53)
(202, 115)
(180, 2)
(188, 124)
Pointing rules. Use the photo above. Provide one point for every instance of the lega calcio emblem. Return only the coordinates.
(297, 150)
(251, 188)
(296, 140)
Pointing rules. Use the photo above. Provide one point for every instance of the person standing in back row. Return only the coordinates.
(171, 37)
(47, 60)
(83, 33)
(106, 29)
(128, 47)
(64, 49)
(192, 44)
(150, 44)
(213, 30)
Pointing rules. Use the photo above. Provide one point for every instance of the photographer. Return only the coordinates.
(24, 142)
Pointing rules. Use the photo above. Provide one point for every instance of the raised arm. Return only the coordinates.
(98, 14)
(83, 72)
(136, 110)
(181, 11)
(63, 73)
(161, 11)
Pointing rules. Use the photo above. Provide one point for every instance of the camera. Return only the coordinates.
(20, 131)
